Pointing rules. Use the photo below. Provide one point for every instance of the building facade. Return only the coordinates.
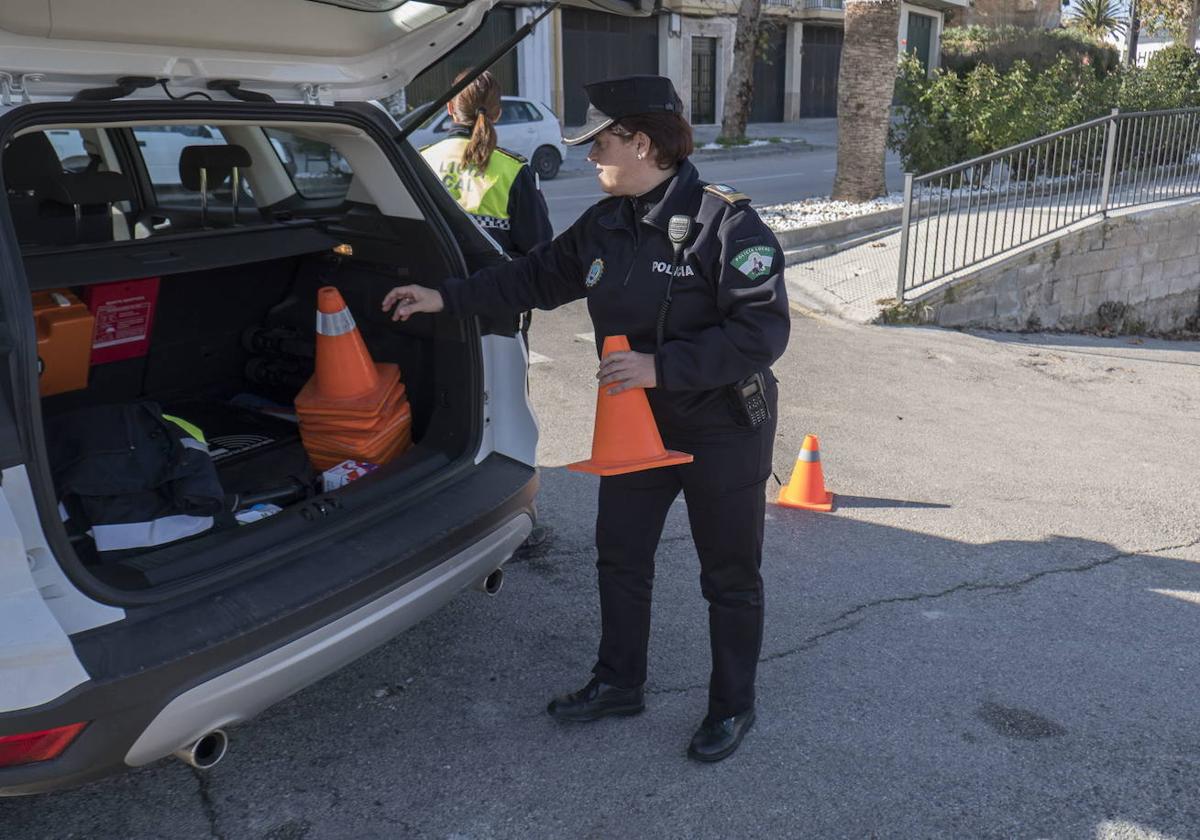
(691, 41)
(1027, 14)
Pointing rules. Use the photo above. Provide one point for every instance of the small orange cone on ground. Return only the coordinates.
(351, 408)
(806, 489)
(626, 438)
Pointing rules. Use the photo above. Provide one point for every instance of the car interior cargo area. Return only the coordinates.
(216, 374)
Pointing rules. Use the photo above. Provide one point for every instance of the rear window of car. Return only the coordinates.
(68, 145)
(517, 112)
(317, 170)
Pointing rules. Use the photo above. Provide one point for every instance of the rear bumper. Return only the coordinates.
(238, 695)
(168, 700)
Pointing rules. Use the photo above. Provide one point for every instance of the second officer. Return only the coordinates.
(693, 277)
(494, 185)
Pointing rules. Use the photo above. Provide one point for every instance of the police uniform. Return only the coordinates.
(503, 196)
(728, 319)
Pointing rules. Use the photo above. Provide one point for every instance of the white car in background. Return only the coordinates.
(160, 147)
(526, 127)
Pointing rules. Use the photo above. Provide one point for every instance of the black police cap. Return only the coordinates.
(626, 96)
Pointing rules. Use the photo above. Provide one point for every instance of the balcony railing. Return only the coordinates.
(828, 5)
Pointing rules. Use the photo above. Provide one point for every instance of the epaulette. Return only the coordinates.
(727, 193)
(518, 158)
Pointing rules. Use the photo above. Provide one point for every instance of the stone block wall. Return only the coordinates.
(1133, 273)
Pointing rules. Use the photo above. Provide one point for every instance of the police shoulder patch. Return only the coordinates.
(518, 158)
(755, 261)
(727, 193)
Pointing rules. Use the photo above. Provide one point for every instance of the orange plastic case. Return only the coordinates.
(64, 341)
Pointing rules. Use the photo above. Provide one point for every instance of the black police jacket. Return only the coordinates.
(729, 313)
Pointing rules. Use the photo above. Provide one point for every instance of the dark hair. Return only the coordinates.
(670, 134)
(474, 106)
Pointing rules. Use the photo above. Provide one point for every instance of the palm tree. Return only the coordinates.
(1098, 18)
(866, 80)
(739, 89)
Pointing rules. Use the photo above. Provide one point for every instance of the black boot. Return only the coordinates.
(596, 700)
(717, 739)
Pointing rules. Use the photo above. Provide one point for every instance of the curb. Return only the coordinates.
(827, 305)
(831, 237)
(803, 245)
(740, 152)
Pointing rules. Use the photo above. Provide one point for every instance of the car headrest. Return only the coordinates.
(217, 161)
(29, 160)
(87, 188)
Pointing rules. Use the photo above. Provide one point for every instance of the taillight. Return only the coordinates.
(29, 747)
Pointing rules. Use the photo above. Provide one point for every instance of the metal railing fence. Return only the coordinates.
(971, 212)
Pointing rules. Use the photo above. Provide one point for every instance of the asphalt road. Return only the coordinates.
(995, 635)
(770, 179)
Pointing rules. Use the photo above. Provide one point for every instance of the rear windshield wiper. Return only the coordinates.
(414, 120)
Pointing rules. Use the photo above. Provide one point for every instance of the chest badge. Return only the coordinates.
(755, 261)
(593, 275)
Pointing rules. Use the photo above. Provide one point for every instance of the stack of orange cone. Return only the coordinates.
(806, 489)
(626, 438)
(351, 408)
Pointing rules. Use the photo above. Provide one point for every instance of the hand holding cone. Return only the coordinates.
(626, 438)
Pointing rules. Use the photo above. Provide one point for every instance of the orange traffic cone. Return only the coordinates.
(806, 489)
(626, 438)
(351, 408)
(344, 367)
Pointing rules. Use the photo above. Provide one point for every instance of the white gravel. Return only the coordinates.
(776, 142)
(815, 211)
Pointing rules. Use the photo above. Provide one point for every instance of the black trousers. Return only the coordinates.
(724, 491)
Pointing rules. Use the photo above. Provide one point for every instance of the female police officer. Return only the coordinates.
(707, 379)
(492, 184)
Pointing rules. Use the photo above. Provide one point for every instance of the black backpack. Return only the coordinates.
(131, 478)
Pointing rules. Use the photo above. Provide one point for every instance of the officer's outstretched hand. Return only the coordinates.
(626, 370)
(409, 300)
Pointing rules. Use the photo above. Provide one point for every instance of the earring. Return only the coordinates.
(641, 155)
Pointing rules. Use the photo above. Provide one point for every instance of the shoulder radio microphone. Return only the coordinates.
(679, 231)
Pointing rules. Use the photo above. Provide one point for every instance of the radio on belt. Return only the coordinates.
(750, 396)
(124, 314)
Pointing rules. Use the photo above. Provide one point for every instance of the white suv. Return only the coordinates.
(526, 127)
(114, 661)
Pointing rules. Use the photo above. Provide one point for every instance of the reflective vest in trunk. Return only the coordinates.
(132, 478)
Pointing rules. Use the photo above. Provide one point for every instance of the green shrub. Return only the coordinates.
(1171, 79)
(949, 117)
(965, 48)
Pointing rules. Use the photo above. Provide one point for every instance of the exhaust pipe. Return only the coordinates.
(491, 584)
(206, 751)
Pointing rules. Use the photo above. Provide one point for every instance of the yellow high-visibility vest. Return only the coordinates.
(481, 192)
